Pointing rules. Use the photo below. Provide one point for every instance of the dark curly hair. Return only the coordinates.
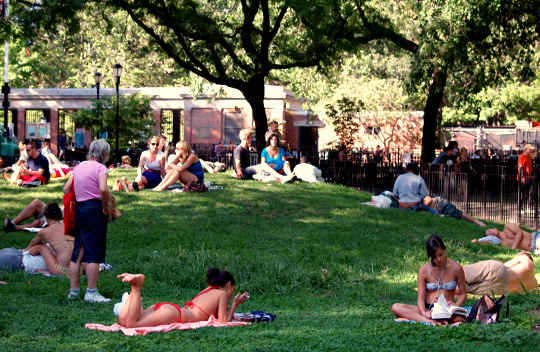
(219, 278)
(52, 211)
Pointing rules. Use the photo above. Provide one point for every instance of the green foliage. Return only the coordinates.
(346, 121)
(135, 119)
(328, 267)
(64, 59)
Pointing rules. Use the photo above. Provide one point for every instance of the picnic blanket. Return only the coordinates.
(211, 322)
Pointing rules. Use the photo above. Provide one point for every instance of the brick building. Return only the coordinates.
(208, 118)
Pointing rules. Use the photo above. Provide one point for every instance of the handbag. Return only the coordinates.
(69, 211)
(486, 310)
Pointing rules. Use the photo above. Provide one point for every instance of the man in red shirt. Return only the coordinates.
(525, 177)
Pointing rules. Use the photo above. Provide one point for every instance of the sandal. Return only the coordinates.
(9, 225)
(135, 186)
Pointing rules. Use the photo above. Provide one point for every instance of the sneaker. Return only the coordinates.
(118, 306)
(72, 295)
(95, 297)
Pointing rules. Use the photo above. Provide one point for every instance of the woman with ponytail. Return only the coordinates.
(212, 301)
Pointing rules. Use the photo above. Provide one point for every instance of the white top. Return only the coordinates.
(308, 173)
(33, 263)
(152, 165)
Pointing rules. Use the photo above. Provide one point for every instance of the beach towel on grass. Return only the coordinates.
(213, 322)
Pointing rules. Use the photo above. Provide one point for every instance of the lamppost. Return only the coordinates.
(97, 77)
(5, 87)
(117, 73)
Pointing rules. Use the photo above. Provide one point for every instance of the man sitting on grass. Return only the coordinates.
(307, 172)
(36, 171)
(50, 250)
(410, 190)
(513, 237)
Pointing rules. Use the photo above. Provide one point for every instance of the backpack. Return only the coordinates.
(487, 310)
(196, 187)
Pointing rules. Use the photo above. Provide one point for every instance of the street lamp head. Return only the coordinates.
(117, 71)
(97, 77)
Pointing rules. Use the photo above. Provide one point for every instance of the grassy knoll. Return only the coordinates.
(278, 240)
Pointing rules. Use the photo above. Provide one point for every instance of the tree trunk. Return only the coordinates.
(431, 113)
(255, 97)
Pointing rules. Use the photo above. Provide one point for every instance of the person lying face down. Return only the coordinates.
(513, 237)
(495, 277)
(50, 250)
(212, 301)
(444, 207)
(440, 276)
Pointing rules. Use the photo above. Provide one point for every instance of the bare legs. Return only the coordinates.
(132, 314)
(185, 177)
(473, 220)
(34, 209)
(409, 312)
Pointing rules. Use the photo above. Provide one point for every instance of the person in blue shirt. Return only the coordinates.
(410, 189)
(275, 157)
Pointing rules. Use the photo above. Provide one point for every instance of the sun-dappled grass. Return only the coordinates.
(327, 266)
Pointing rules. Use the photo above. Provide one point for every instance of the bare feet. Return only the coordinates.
(136, 280)
(3, 283)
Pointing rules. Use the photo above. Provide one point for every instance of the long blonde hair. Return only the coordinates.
(186, 151)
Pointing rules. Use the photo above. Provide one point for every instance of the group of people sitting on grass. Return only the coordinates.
(158, 169)
(274, 165)
(444, 276)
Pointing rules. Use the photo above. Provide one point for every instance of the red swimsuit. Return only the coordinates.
(188, 304)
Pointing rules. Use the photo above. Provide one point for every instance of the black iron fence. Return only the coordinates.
(489, 190)
(485, 188)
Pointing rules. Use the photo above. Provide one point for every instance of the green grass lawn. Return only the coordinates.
(277, 240)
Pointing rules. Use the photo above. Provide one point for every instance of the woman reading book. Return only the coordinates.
(440, 276)
(214, 300)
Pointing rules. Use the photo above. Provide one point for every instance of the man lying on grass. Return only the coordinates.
(33, 210)
(440, 276)
(49, 251)
(513, 237)
(495, 277)
(213, 300)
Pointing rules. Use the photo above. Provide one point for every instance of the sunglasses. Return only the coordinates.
(154, 143)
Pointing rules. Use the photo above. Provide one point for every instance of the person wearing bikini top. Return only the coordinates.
(440, 276)
(212, 301)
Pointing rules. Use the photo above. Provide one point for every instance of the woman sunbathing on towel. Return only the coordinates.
(440, 276)
(213, 300)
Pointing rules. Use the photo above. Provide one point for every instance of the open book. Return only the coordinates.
(441, 309)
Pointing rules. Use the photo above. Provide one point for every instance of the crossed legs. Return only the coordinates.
(132, 314)
(34, 209)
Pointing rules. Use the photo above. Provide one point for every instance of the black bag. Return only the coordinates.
(196, 187)
(487, 310)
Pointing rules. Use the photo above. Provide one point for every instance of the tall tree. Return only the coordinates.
(236, 43)
(459, 47)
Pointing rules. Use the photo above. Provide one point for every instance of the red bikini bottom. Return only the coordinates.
(159, 305)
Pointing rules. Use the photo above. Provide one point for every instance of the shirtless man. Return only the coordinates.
(50, 250)
(513, 237)
(494, 276)
(51, 243)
